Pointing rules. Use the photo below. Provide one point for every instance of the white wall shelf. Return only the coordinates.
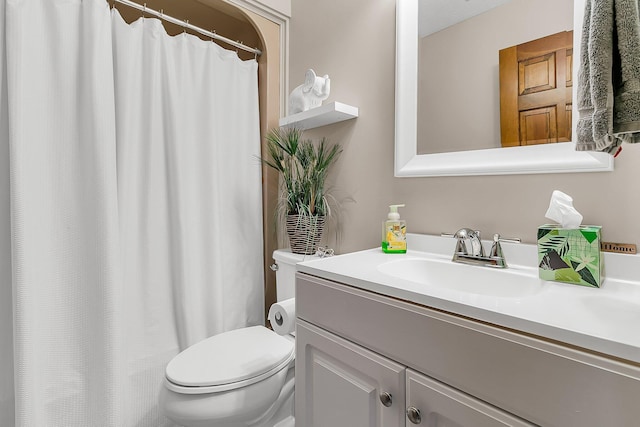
(323, 115)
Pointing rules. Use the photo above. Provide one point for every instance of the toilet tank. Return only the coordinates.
(286, 272)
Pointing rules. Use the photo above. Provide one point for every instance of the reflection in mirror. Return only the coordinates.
(536, 81)
(472, 159)
(459, 94)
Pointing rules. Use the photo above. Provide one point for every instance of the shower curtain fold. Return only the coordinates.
(64, 228)
(7, 401)
(134, 199)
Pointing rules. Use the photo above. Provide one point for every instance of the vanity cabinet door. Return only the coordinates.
(442, 406)
(339, 383)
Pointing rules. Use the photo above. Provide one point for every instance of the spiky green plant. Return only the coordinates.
(303, 166)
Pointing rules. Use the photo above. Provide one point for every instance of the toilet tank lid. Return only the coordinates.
(286, 256)
(229, 357)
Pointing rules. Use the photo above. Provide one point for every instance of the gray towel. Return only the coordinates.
(609, 76)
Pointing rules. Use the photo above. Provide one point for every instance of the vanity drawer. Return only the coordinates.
(541, 381)
(437, 401)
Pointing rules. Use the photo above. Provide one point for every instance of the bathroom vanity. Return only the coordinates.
(376, 348)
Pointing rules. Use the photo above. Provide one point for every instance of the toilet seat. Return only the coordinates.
(229, 361)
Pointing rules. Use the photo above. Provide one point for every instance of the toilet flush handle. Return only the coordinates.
(274, 267)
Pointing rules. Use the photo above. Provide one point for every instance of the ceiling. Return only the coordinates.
(436, 15)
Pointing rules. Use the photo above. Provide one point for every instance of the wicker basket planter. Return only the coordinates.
(304, 233)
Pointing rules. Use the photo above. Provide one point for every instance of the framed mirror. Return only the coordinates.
(412, 160)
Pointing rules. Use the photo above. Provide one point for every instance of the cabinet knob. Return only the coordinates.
(414, 415)
(385, 398)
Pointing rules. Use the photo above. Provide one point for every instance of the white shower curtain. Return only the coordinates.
(135, 208)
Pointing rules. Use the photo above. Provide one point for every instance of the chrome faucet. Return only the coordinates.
(473, 253)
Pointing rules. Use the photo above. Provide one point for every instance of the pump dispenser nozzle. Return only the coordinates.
(393, 211)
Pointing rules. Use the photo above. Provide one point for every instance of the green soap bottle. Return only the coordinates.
(394, 232)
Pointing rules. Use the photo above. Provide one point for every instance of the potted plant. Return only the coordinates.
(303, 166)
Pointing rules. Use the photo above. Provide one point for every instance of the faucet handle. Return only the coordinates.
(496, 248)
(463, 233)
(497, 238)
(461, 247)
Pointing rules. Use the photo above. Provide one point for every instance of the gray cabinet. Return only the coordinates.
(457, 369)
(339, 383)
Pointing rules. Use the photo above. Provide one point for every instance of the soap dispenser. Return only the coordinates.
(394, 232)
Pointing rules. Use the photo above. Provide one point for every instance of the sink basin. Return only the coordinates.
(445, 274)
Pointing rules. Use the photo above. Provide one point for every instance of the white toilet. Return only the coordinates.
(239, 378)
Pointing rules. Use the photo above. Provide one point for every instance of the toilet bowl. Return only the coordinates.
(240, 378)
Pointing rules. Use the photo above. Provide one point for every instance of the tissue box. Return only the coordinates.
(570, 255)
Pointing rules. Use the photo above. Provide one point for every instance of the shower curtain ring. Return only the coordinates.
(144, 9)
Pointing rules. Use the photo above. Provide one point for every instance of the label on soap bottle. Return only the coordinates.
(395, 237)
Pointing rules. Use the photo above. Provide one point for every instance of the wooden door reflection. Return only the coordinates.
(536, 91)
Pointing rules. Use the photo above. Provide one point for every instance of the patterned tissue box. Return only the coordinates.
(570, 255)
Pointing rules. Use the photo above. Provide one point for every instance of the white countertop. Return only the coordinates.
(605, 319)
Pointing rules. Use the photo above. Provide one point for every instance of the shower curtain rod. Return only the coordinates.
(186, 24)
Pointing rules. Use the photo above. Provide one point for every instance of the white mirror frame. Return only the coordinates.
(545, 158)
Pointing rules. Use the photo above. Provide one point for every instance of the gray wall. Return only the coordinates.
(354, 42)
